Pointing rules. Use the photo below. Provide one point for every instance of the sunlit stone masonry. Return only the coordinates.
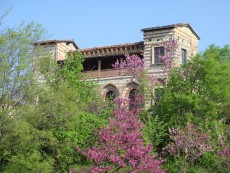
(98, 60)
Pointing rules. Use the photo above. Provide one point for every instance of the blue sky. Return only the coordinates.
(106, 22)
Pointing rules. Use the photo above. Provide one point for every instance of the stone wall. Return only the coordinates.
(185, 38)
(62, 48)
(122, 84)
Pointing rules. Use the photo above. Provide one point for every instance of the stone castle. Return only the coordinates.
(98, 60)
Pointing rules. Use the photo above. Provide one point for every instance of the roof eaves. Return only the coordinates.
(170, 27)
(113, 46)
(56, 41)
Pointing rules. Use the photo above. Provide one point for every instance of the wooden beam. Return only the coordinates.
(99, 69)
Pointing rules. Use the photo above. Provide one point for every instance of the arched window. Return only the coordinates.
(110, 92)
(158, 94)
(110, 95)
(132, 95)
(160, 82)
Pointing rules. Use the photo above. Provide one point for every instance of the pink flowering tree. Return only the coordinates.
(224, 152)
(188, 144)
(170, 47)
(133, 63)
(224, 156)
(121, 147)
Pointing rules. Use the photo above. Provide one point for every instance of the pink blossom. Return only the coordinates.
(121, 144)
(170, 47)
(132, 63)
(189, 142)
(224, 151)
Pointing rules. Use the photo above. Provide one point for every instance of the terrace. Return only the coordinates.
(98, 61)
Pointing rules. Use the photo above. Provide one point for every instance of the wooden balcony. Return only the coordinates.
(106, 73)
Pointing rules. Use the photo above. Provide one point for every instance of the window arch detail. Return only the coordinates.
(110, 92)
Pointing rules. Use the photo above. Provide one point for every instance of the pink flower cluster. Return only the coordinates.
(132, 62)
(170, 47)
(224, 152)
(121, 145)
(190, 142)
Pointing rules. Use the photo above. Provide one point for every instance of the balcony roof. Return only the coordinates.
(113, 50)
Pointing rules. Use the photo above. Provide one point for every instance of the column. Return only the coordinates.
(99, 68)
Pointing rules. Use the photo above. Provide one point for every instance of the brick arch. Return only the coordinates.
(110, 87)
(128, 88)
(160, 81)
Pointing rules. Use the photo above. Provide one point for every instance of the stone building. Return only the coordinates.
(98, 60)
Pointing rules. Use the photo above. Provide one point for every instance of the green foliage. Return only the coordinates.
(198, 92)
(62, 110)
(70, 73)
(154, 129)
(16, 57)
(41, 124)
(44, 107)
(209, 163)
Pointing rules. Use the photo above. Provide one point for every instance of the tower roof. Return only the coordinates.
(56, 41)
(170, 27)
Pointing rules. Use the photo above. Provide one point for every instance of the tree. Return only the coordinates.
(60, 116)
(16, 77)
(16, 56)
(121, 145)
(198, 92)
(135, 66)
(188, 145)
(133, 63)
(41, 123)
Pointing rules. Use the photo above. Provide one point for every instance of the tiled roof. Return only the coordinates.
(141, 43)
(56, 41)
(170, 26)
(119, 49)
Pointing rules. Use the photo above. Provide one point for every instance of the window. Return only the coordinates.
(132, 95)
(183, 56)
(61, 63)
(110, 95)
(158, 53)
(158, 94)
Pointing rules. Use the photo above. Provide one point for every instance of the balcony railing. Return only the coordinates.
(106, 73)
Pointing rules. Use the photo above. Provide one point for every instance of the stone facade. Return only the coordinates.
(56, 48)
(153, 37)
(98, 60)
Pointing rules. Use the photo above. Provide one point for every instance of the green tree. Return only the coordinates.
(16, 56)
(64, 110)
(41, 123)
(198, 91)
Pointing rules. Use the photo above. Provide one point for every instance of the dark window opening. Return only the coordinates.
(132, 97)
(60, 63)
(183, 56)
(110, 95)
(158, 53)
(107, 63)
(158, 94)
(90, 64)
